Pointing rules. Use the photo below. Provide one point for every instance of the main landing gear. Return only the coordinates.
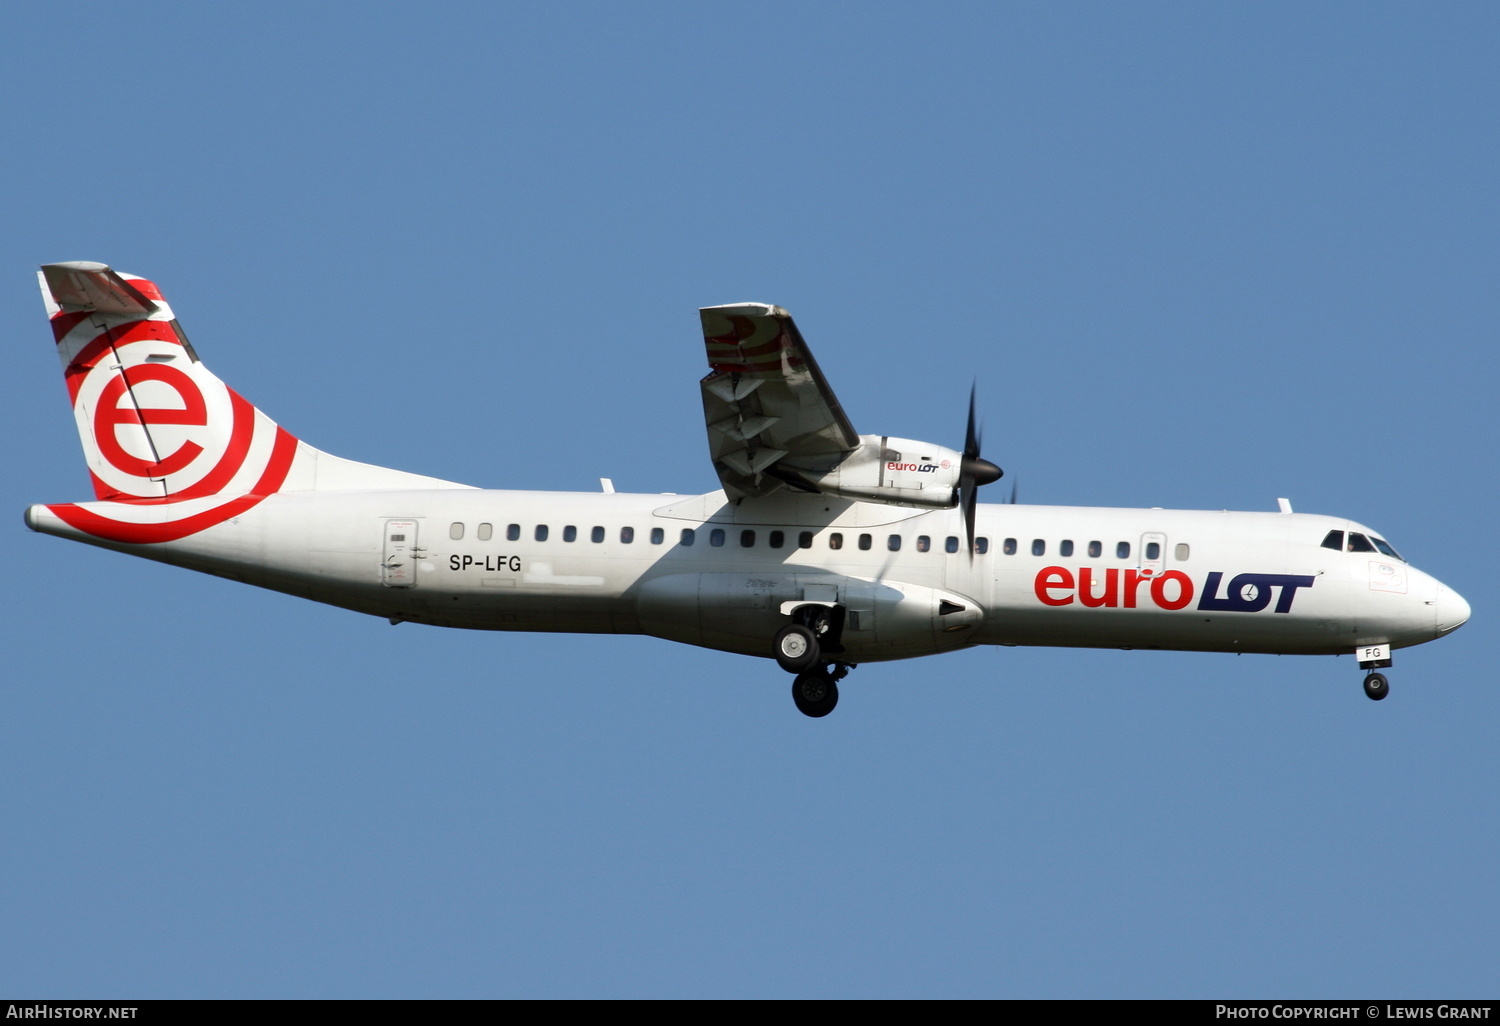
(803, 647)
(816, 692)
(1377, 687)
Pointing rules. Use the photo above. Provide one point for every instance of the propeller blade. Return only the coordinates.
(971, 503)
(974, 471)
(971, 437)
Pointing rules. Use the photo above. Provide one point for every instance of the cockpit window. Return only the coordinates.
(1334, 541)
(1359, 543)
(1385, 547)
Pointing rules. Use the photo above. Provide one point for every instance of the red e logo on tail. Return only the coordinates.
(109, 414)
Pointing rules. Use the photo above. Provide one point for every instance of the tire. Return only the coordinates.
(1377, 687)
(796, 648)
(815, 694)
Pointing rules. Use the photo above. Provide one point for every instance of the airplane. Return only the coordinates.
(822, 550)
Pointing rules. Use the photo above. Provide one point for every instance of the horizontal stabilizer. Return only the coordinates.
(83, 286)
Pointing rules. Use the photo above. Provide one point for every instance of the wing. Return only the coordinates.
(771, 416)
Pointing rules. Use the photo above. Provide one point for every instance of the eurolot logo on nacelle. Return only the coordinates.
(1132, 588)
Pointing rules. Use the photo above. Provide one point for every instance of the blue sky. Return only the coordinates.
(1196, 256)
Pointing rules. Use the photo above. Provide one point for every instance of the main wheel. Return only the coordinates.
(1377, 687)
(796, 648)
(815, 694)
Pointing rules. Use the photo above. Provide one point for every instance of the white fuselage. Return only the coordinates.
(1221, 581)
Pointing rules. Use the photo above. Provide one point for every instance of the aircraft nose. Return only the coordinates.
(1452, 610)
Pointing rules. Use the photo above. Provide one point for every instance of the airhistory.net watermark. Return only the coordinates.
(39, 1010)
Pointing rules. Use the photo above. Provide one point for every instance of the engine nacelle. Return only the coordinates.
(895, 471)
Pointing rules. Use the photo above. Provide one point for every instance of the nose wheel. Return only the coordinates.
(1372, 658)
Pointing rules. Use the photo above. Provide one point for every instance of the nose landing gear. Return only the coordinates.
(1375, 657)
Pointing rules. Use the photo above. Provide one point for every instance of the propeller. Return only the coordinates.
(973, 472)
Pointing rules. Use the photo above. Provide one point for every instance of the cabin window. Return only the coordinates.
(485, 531)
(924, 543)
(865, 541)
(893, 543)
(1008, 546)
(658, 536)
(1122, 550)
(981, 545)
(951, 545)
(627, 535)
(777, 539)
(1153, 550)
(804, 540)
(1096, 549)
(512, 532)
(1065, 547)
(398, 537)
(1385, 547)
(570, 533)
(1038, 547)
(455, 531)
(688, 536)
(541, 532)
(716, 537)
(1359, 543)
(835, 540)
(747, 539)
(1181, 552)
(1334, 540)
(596, 535)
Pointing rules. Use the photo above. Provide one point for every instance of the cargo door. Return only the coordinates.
(398, 568)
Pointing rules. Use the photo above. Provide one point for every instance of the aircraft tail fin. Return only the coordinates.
(156, 425)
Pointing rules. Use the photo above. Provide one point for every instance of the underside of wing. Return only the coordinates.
(773, 422)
